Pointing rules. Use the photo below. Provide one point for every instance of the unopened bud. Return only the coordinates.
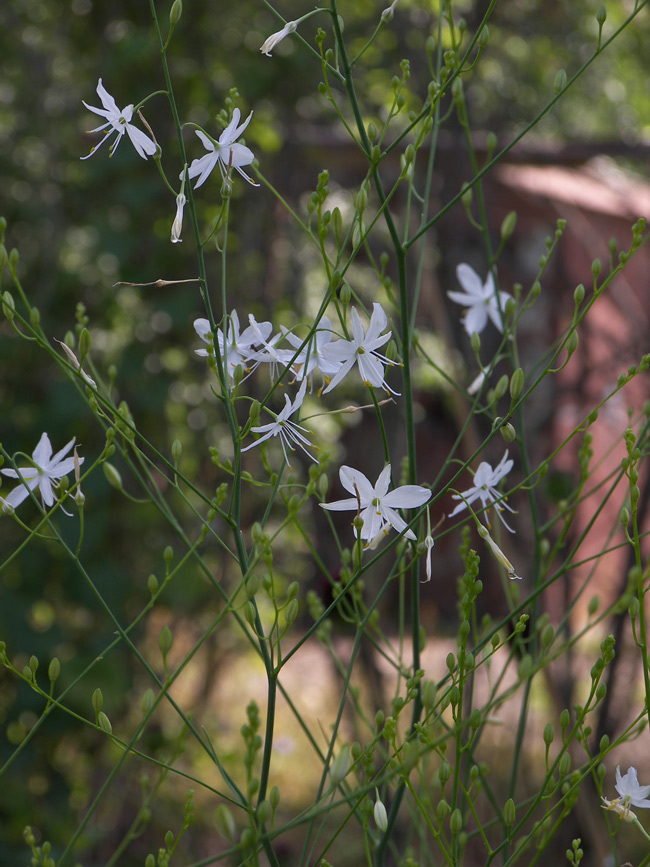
(224, 822)
(379, 812)
(97, 700)
(175, 12)
(560, 80)
(340, 766)
(104, 723)
(509, 812)
(516, 383)
(165, 640)
(54, 669)
(112, 476)
(146, 704)
(456, 822)
(508, 432)
(508, 225)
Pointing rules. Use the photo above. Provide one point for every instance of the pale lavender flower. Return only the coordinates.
(47, 469)
(225, 152)
(119, 122)
(377, 505)
(481, 299)
(484, 489)
(361, 350)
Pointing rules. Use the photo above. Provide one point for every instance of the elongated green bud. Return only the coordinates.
(508, 225)
(54, 669)
(456, 822)
(165, 640)
(113, 476)
(340, 766)
(175, 12)
(560, 80)
(509, 812)
(97, 700)
(516, 383)
(104, 723)
(224, 822)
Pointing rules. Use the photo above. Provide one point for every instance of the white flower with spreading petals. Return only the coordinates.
(311, 354)
(225, 152)
(481, 299)
(288, 431)
(631, 794)
(239, 348)
(376, 505)
(119, 123)
(274, 38)
(177, 225)
(361, 350)
(47, 469)
(484, 489)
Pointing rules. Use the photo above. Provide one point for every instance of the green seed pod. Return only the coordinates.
(224, 822)
(165, 640)
(560, 80)
(147, 702)
(594, 605)
(549, 734)
(516, 383)
(112, 476)
(54, 669)
(508, 225)
(104, 723)
(456, 822)
(508, 432)
(264, 812)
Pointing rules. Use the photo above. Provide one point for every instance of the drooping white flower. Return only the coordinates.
(311, 355)
(376, 505)
(269, 44)
(47, 469)
(361, 350)
(74, 361)
(225, 152)
(484, 489)
(428, 544)
(238, 348)
(481, 299)
(379, 812)
(177, 225)
(288, 431)
(484, 533)
(119, 122)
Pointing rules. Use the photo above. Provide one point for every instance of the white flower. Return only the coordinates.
(119, 123)
(177, 225)
(376, 505)
(311, 355)
(481, 299)
(484, 533)
(629, 789)
(477, 383)
(484, 489)
(288, 431)
(617, 807)
(225, 152)
(274, 38)
(46, 469)
(362, 349)
(239, 348)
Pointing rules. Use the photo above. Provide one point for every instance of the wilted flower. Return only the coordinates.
(481, 299)
(484, 489)
(119, 123)
(376, 505)
(74, 361)
(428, 544)
(177, 225)
(362, 350)
(288, 431)
(274, 38)
(484, 533)
(225, 152)
(46, 470)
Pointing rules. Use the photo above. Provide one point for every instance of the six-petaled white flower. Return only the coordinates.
(311, 354)
(119, 122)
(481, 299)
(376, 505)
(269, 44)
(361, 350)
(484, 488)
(288, 431)
(224, 152)
(47, 469)
(630, 794)
(239, 348)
